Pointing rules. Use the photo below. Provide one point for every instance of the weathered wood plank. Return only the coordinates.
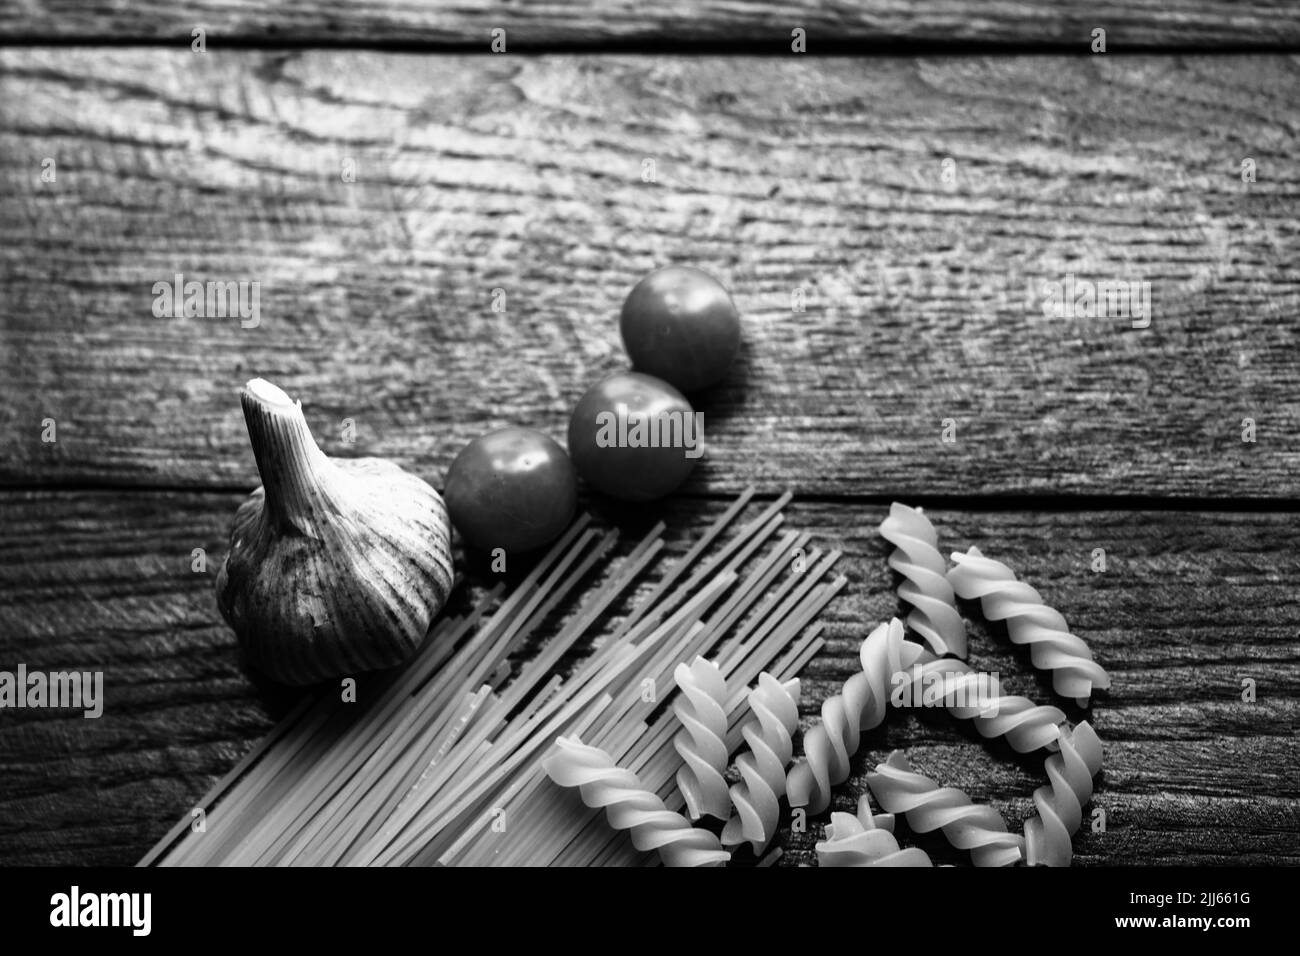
(525, 175)
(678, 23)
(1189, 605)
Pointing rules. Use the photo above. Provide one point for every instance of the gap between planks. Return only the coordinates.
(985, 503)
(825, 48)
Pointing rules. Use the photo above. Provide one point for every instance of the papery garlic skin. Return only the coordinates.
(336, 566)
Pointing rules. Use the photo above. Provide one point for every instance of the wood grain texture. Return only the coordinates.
(1189, 605)
(601, 23)
(525, 175)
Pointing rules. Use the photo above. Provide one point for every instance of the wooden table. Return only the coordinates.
(776, 171)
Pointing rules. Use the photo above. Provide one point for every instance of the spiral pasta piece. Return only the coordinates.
(925, 583)
(894, 669)
(628, 806)
(702, 741)
(966, 825)
(978, 697)
(1060, 805)
(757, 798)
(866, 840)
(860, 705)
(1029, 621)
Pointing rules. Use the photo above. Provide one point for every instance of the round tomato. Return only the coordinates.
(514, 489)
(634, 437)
(679, 324)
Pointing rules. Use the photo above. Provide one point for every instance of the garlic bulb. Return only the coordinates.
(336, 566)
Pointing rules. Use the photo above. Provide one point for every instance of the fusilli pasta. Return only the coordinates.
(1060, 805)
(1029, 621)
(758, 797)
(702, 742)
(925, 584)
(966, 825)
(628, 806)
(978, 697)
(865, 840)
(889, 663)
(860, 705)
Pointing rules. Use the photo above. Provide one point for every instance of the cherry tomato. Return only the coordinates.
(514, 489)
(612, 430)
(680, 325)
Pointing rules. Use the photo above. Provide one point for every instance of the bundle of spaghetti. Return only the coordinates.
(925, 584)
(394, 767)
(928, 807)
(433, 822)
(701, 743)
(773, 626)
(697, 640)
(436, 830)
(860, 705)
(270, 782)
(594, 841)
(1029, 621)
(629, 806)
(440, 762)
(866, 840)
(757, 798)
(312, 766)
(783, 615)
(390, 771)
(544, 829)
(1060, 805)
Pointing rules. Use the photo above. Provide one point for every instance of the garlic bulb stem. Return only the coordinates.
(294, 471)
